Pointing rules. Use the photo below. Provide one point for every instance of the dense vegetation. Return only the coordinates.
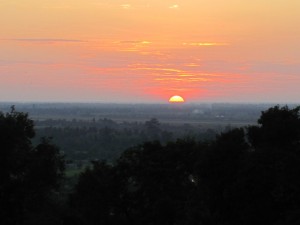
(105, 139)
(244, 176)
(30, 175)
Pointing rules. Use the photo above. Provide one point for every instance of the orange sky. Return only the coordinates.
(147, 51)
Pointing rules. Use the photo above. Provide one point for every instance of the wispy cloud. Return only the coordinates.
(126, 6)
(174, 6)
(44, 40)
(203, 44)
(171, 76)
(158, 69)
(192, 65)
(133, 42)
(132, 45)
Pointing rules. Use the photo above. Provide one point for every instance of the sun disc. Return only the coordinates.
(176, 99)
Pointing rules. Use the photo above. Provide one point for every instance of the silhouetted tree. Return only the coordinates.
(279, 127)
(28, 174)
(217, 170)
(96, 195)
(158, 181)
(267, 189)
(245, 176)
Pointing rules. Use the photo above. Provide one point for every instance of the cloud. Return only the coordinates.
(134, 42)
(126, 6)
(174, 7)
(205, 44)
(56, 40)
(192, 65)
(132, 45)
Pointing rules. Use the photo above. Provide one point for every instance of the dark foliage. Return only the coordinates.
(28, 174)
(246, 176)
(105, 139)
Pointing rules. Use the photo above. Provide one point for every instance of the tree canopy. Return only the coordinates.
(28, 173)
(246, 176)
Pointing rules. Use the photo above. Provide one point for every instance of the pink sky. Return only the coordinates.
(147, 51)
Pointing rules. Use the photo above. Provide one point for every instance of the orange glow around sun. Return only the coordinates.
(176, 99)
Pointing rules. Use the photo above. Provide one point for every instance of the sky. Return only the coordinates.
(145, 51)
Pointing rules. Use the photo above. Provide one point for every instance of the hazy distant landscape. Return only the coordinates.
(206, 113)
(95, 131)
(89, 131)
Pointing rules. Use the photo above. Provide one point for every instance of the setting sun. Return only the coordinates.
(176, 99)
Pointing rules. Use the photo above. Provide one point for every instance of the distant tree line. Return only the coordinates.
(244, 176)
(105, 139)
